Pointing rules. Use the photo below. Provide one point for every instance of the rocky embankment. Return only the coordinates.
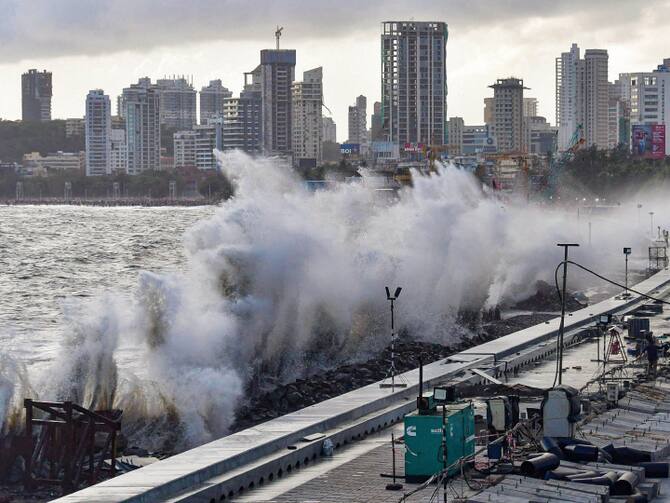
(317, 388)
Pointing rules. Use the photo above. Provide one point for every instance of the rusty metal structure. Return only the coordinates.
(69, 444)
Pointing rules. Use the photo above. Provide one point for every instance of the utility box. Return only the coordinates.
(560, 411)
(423, 440)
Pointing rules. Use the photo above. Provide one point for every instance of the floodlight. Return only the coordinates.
(440, 394)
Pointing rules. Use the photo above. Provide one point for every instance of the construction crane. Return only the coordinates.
(278, 34)
(558, 162)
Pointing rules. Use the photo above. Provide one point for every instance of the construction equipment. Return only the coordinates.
(558, 162)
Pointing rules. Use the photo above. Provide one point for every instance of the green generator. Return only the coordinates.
(423, 438)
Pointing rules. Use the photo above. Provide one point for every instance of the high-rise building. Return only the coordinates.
(211, 100)
(376, 124)
(508, 114)
(242, 123)
(98, 133)
(455, 126)
(177, 103)
(36, 91)
(276, 75)
(329, 130)
(184, 149)
(195, 148)
(568, 95)
(414, 81)
(489, 111)
(582, 96)
(141, 110)
(596, 98)
(118, 151)
(358, 122)
(530, 107)
(647, 94)
(307, 97)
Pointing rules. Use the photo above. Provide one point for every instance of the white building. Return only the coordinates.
(649, 97)
(358, 123)
(98, 133)
(195, 148)
(119, 152)
(184, 149)
(530, 107)
(307, 118)
(141, 111)
(582, 96)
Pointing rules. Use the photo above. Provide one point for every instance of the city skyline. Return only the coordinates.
(480, 49)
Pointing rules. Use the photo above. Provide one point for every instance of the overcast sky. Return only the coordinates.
(108, 44)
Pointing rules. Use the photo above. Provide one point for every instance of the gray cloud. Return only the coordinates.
(51, 28)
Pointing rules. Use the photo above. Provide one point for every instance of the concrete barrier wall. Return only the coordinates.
(213, 470)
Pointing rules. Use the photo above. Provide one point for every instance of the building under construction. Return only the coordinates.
(414, 82)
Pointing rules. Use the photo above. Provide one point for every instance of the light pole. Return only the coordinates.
(626, 252)
(651, 229)
(565, 246)
(392, 370)
(639, 207)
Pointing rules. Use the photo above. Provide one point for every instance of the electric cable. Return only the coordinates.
(560, 297)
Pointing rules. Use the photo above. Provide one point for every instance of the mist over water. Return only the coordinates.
(284, 280)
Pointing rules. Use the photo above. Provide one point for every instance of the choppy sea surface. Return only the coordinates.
(50, 255)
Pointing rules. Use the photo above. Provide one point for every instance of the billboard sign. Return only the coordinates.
(413, 147)
(648, 141)
(350, 149)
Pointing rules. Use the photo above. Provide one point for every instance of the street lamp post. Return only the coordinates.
(392, 370)
(565, 246)
(626, 252)
(651, 229)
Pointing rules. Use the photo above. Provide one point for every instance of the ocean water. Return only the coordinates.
(51, 256)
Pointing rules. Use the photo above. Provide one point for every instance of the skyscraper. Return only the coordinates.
(582, 96)
(414, 81)
(596, 98)
(36, 94)
(358, 121)
(242, 124)
(211, 100)
(177, 103)
(307, 132)
(376, 129)
(489, 111)
(277, 70)
(98, 133)
(530, 107)
(508, 114)
(568, 102)
(329, 129)
(141, 110)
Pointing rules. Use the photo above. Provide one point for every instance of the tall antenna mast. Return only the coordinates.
(278, 34)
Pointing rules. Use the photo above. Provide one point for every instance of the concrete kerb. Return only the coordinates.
(277, 441)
